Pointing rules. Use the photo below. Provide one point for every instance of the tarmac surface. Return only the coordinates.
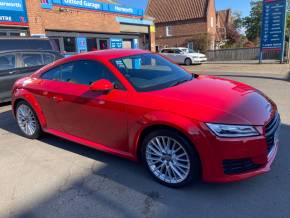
(56, 178)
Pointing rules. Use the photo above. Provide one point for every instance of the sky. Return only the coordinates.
(236, 5)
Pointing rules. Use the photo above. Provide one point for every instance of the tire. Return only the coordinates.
(188, 62)
(27, 120)
(163, 167)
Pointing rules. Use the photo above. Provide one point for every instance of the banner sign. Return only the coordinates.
(273, 26)
(93, 5)
(116, 43)
(13, 12)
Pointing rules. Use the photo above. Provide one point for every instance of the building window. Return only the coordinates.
(190, 45)
(69, 44)
(92, 44)
(103, 44)
(168, 30)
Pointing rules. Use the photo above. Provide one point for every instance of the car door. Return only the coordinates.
(164, 52)
(8, 74)
(172, 56)
(94, 116)
(178, 56)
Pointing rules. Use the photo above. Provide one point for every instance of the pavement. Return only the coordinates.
(52, 177)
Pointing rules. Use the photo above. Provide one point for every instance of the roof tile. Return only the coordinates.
(175, 10)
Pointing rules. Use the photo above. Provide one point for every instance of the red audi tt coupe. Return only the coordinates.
(140, 106)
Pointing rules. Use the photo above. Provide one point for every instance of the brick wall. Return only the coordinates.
(201, 32)
(73, 19)
(182, 33)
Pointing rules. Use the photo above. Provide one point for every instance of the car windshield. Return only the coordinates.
(149, 72)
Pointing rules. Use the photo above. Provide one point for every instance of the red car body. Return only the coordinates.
(116, 122)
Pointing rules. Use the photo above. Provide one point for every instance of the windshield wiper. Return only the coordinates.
(176, 83)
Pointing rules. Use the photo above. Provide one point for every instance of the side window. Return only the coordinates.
(32, 60)
(7, 62)
(82, 72)
(177, 51)
(53, 74)
(87, 72)
(164, 51)
(48, 58)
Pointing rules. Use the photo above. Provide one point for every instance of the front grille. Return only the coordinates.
(270, 130)
(232, 167)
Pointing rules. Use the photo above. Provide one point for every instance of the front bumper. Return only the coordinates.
(199, 60)
(221, 177)
(230, 160)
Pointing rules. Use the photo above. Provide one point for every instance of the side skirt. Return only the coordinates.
(91, 144)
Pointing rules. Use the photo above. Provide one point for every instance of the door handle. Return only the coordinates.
(57, 99)
(12, 72)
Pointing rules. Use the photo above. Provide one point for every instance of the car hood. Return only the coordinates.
(215, 100)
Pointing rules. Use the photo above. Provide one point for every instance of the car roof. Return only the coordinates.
(175, 48)
(22, 38)
(29, 50)
(112, 53)
(108, 54)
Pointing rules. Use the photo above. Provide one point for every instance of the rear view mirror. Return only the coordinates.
(102, 85)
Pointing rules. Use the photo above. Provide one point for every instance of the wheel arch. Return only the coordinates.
(158, 126)
(29, 99)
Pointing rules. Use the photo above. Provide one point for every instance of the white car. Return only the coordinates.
(184, 56)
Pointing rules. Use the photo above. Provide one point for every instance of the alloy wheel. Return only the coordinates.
(26, 120)
(167, 159)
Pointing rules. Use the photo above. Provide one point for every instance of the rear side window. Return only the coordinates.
(31, 60)
(82, 72)
(7, 62)
(53, 74)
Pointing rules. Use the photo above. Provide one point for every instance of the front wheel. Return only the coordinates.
(188, 62)
(27, 120)
(170, 159)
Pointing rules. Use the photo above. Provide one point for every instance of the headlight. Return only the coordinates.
(232, 131)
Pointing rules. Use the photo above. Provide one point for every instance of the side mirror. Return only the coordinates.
(102, 85)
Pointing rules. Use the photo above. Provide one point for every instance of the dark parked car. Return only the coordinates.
(20, 63)
(10, 44)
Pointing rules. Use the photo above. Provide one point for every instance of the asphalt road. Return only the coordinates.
(56, 178)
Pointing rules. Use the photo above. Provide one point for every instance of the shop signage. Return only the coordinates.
(81, 44)
(13, 12)
(135, 43)
(93, 5)
(116, 43)
(273, 26)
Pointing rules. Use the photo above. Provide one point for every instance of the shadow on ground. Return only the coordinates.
(124, 189)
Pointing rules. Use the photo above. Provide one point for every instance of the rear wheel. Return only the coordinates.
(170, 159)
(27, 120)
(188, 62)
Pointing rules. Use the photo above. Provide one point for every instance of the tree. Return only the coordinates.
(238, 22)
(233, 35)
(252, 23)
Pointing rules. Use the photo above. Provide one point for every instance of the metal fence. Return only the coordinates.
(240, 54)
